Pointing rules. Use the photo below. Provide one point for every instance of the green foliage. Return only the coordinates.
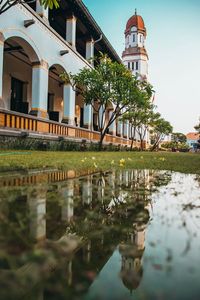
(50, 3)
(6, 5)
(160, 128)
(174, 145)
(197, 127)
(109, 85)
(178, 137)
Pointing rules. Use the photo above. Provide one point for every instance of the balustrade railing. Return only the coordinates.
(28, 123)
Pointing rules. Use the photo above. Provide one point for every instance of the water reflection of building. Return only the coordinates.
(47, 210)
(131, 253)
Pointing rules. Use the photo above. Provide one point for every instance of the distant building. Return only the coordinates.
(192, 139)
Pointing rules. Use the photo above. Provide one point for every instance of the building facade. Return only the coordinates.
(36, 46)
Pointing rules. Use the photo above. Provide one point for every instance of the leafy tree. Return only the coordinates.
(109, 82)
(141, 117)
(197, 127)
(7, 4)
(161, 128)
(173, 145)
(179, 137)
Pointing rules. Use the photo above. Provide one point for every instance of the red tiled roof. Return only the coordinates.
(136, 21)
(192, 136)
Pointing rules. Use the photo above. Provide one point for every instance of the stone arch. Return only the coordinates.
(25, 42)
(55, 92)
(20, 54)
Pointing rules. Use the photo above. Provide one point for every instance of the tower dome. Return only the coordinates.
(135, 21)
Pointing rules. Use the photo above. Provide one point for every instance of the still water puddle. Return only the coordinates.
(131, 234)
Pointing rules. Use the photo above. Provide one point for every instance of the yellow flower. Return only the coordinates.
(141, 157)
(93, 158)
(129, 159)
(122, 161)
(82, 160)
(121, 165)
(162, 159)
(95, 165)
(112, 162)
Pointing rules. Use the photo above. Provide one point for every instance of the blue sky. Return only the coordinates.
(173, 45)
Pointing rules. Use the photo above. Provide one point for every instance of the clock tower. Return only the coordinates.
(135, 56)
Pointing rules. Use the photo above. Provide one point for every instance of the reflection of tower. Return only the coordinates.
(131, 269)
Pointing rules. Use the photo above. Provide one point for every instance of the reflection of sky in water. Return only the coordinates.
(171, 261)
(125, 256)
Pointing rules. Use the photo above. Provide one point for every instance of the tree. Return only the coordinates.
(197, 127)
(161, 128)
(147, 117)
(141, 116)
(109, 82)
(7, 4)
(179, 137)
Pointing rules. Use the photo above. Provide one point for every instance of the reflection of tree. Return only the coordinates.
(107, 209)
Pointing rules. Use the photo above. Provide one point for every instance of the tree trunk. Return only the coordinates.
(133, 137)
(101, 140)
(141, 144)
(132, 143)
(155, 145)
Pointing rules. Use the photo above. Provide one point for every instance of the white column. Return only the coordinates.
(90, 51)
(42, 11)
(88, 116)
(101, 117)
(71, 31)
(112, 128)
(68, 201)
(1, 67)
(37, 208)
(87, 191)
(130, 128)
(126, 129)
(69, 96)
(39, 89)
(119, 128)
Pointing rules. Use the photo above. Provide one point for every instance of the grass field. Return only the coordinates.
(80, 161)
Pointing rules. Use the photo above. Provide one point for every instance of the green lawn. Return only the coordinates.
(80, 161)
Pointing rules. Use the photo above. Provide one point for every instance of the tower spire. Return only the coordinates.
(136, 11)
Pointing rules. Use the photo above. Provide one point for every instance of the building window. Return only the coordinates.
(129, 65)
(136, 67)
(132, 65)
(134, 38)
(140, 38)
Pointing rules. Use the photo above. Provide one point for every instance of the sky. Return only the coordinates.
(173, 45)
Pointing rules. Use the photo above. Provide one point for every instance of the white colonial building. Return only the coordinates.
(36, 46)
